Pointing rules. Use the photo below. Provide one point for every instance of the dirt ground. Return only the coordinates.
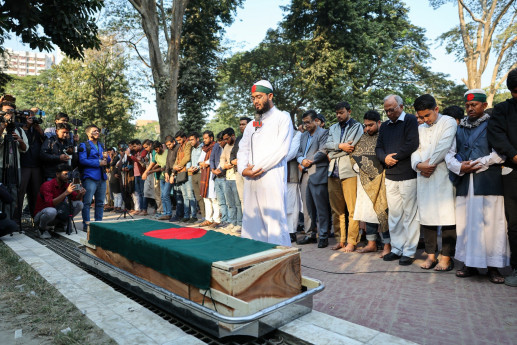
(30, 304)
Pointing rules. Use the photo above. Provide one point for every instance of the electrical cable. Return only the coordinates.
(371, 272)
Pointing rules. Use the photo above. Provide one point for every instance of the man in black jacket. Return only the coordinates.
(398, 139)
(55, 150)
(502, 136)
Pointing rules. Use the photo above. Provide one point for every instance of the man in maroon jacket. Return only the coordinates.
(51, 196)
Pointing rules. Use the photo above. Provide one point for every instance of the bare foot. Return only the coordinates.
(338, 246)
(429, 263)
(348, 248)
(445, 264)
(370, 247)
(386, 250)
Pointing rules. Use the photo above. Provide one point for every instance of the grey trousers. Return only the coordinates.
(47, 216)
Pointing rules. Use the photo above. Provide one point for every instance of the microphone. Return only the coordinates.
(257, 123)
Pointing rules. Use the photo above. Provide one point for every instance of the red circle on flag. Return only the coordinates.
(177, 233)
(470, 97)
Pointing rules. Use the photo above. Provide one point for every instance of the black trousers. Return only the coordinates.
(448, 239)
(317, 200)
(30, 183)
(510, 209)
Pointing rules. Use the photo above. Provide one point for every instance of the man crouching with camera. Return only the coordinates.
(52, 207)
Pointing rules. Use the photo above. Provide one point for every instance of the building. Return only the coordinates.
(22, 63)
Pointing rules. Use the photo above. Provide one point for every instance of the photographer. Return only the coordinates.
(64, 118)
(55, 150)
(93, 160)
(7, 226)
(51, 205)
(31, 178)
(12, 140)
(138, 158)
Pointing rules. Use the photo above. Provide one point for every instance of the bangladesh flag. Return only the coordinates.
(183, 253)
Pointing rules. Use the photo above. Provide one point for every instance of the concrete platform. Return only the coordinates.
(127, 322)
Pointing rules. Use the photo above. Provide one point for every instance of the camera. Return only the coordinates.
(76, 122)
(74, 178)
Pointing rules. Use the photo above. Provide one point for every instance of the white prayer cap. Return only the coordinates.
(262, 86)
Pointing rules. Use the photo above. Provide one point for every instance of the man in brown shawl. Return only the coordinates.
(371, 204)
(207, 191)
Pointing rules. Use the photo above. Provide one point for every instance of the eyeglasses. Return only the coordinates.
(391, 110)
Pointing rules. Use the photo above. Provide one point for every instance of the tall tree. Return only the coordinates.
(327, 51)
(486, 27)
(94, 90)
(161, 27)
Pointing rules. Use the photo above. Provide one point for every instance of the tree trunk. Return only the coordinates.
(166, 107)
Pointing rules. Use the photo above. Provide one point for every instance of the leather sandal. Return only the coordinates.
(495, 277)
(466, 272)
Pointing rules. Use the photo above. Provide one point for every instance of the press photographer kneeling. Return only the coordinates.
(52, 207)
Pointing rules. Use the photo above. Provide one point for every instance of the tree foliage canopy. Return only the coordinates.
(328, 51)
(69, 24)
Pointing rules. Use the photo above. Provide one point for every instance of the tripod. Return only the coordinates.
(70, 217)
(10, 172)
(126, 197)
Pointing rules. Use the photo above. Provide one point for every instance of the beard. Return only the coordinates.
(265, 108)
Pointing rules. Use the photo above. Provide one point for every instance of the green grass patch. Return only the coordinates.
(29, 302)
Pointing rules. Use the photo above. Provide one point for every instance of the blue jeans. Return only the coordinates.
(189, 200)
(372, 233)
(176, 192)
(139, 190)
(97, 189)
(220, 186)
(233, 202)
(165, 194)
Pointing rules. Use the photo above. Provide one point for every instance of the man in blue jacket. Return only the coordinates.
(93, 160)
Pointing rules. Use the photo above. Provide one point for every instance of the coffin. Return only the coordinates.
(235, 286)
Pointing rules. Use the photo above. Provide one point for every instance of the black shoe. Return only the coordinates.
(293, 237)
(391, 257)
(307, 240)
(323, 243)
(405, 261)
(192, 220)
(184, 220)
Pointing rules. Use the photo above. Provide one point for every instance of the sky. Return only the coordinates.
(254, 19)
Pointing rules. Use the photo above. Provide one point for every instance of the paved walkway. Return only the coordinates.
(407, 302)
(411, 303)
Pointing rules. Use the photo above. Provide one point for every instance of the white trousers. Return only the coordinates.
(212, 213)
(402, 216)
(294, 203)
(117, 200)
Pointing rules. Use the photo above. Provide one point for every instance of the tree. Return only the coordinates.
(485, 28)
(94, 90)
(162, 28)
(329, 51)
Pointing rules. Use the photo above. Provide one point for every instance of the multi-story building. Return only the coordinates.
(22, 63)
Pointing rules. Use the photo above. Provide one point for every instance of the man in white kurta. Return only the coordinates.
(435, 192)
(261, 160)
(480, 219)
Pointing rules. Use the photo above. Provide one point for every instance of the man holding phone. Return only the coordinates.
(51, 204)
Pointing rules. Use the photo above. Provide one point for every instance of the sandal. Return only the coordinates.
(466, 272)
(433, 264)
(450, 267)
(495, 277)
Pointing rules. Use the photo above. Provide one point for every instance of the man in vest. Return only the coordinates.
(480, 223)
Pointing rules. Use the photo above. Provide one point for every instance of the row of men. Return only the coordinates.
(402, 178)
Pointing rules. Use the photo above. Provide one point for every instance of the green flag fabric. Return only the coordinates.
(185, 254)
